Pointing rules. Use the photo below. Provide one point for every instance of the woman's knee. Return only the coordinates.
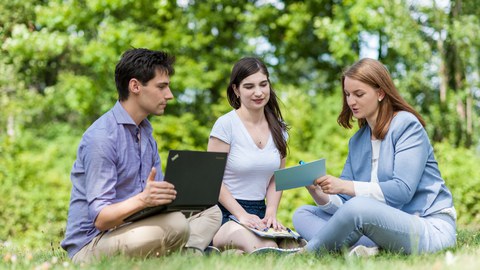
(303, 214)
(303, 211)
(223, 237)
(360, 210)
(359, 206)
(233, 235)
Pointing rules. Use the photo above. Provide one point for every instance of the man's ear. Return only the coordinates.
(134, 86)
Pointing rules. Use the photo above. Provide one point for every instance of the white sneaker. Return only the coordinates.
(363, 251)
(275, 250)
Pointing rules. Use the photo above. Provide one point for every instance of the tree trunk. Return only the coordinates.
(442, 73)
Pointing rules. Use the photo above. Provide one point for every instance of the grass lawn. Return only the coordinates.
(465, 256)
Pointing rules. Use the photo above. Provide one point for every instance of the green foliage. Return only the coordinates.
(462, 177)
(57, 60)
(169, 136)
(35, 189)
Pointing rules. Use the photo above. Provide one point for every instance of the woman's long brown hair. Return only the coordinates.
(244, 68)
(375, 74)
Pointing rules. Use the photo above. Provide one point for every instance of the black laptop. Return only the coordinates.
(197, 177)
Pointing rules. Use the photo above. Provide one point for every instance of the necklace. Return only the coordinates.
(255, 128)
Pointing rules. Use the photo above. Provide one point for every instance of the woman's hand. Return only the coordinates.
(252, 221)
(333, 185)
(318, 195)
(271, 221)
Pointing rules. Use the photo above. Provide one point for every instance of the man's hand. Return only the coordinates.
(157, 193)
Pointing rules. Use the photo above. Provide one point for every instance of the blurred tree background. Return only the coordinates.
(57, 60)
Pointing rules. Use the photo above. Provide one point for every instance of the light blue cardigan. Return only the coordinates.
(408, 173)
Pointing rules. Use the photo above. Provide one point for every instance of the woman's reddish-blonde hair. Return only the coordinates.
(375, 74)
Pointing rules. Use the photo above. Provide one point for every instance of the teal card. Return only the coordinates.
(299, 176)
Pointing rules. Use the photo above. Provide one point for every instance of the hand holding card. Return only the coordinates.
(299, 176)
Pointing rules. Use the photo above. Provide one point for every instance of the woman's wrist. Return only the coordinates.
(348, 188)
(319, 196)
(272, 212)
(311, 188)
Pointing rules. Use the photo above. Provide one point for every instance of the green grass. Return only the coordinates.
(465, 256)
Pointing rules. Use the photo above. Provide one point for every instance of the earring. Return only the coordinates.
(379, 99)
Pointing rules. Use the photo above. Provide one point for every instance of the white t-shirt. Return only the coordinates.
(249, 168)
(375, 156)
(371, 189)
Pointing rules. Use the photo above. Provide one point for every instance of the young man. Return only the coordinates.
(117, 173)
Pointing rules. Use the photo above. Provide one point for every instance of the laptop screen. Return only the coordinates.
(197, 177)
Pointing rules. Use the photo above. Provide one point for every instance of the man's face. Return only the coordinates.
(155, 94)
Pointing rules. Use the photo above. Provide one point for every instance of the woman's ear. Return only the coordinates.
(381, 94)
(134, 86)
(235, 90)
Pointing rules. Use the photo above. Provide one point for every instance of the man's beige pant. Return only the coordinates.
(154, 236)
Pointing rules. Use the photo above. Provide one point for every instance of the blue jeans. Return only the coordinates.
(369, 222)
(252, 207)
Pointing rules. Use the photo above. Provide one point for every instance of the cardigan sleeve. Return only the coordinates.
(411, 148)
(347, 174)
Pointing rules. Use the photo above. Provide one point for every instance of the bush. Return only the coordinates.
(34, 175)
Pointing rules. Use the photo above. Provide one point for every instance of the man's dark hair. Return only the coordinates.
(140, 64)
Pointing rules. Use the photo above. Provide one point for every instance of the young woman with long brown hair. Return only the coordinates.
(255, 136)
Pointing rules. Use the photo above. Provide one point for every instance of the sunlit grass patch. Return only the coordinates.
(465, 256)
